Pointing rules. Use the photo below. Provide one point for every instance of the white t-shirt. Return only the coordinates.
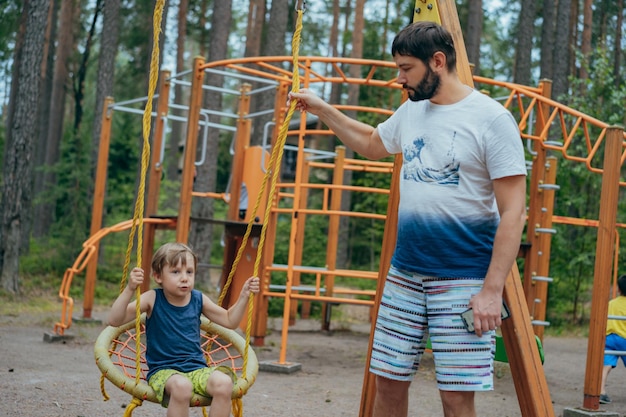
(447, 216)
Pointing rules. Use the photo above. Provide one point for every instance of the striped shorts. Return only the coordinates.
(414, 307)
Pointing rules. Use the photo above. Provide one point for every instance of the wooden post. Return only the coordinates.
(191, 142)
(368, 393)
(541, 208)
(603, 265)
(98, 204)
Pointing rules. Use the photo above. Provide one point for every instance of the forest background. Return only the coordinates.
(60, 59)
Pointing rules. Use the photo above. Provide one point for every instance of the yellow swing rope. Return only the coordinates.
(274, 170)
(137, 224)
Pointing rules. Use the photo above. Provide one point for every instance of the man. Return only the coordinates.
(460, 219)
(615, 336)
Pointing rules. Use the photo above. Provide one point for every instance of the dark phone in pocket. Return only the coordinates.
(468, 317)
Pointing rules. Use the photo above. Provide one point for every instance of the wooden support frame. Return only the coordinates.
(605, 248)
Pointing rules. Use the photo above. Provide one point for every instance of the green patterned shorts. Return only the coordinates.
(198, 379)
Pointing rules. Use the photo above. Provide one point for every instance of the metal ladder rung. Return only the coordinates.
(543, 279)
(549, 186)
(545, 230)
(540, 323)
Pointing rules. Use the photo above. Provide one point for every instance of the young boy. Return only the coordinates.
(176, 363)
(615, 336)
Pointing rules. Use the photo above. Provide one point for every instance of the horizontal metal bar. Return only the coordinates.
(550, 186)
(543, 279)
(545, 230)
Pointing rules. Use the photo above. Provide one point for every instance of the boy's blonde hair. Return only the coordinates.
(171, 254)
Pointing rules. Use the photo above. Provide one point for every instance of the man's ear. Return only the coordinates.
(438, 61)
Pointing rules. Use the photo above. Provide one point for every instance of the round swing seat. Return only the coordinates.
(115, 354)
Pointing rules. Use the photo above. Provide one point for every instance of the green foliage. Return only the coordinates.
(10, 10)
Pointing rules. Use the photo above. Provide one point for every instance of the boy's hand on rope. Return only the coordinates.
(251, 286)
(306, 100)
(136, 278)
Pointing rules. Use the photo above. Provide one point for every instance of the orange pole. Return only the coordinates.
(294, 241)
(98, 204)
(233, 241)
(333, 229)
(155, 172)
(260, 322)
(191, 142)
(242, 141)
(609, 197)
(299, 249)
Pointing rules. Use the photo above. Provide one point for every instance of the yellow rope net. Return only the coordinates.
(137, 224)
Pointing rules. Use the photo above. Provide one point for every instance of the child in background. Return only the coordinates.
(176, 364)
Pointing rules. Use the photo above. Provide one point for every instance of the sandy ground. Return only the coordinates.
(40, 379)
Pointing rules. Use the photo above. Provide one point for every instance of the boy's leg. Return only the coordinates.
(219, 386)
(179, 390)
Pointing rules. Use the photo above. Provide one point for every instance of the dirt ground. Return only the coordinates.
(40, 379)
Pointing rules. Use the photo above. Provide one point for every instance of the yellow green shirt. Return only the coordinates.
(617, 307)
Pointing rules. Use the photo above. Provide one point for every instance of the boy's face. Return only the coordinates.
(178, 280)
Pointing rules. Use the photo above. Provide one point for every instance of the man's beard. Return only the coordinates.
(426, 89)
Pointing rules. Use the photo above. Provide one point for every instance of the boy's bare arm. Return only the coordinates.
(232, 317)
(123, 310)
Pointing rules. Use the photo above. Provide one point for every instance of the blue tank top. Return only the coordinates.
(173, 335)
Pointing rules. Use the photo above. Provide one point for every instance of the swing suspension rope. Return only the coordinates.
(137, 222)
(274, 170)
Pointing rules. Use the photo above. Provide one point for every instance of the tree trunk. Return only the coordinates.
(44, 210)
(562, 48)
(547, 39)
(17, 174)
(474, 33)
(178, 128)
(585, 45)
(46, 95)
(256, 19)
(106, 71)
(201, 234)
(273, 45)
(523, 60)
(343, 253)
(617, 49)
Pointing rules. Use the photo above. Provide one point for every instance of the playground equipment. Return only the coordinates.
(549, 128)
(115, 356)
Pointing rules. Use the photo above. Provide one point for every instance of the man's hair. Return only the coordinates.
(422, 39)
(170, 254)
(621, 284)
